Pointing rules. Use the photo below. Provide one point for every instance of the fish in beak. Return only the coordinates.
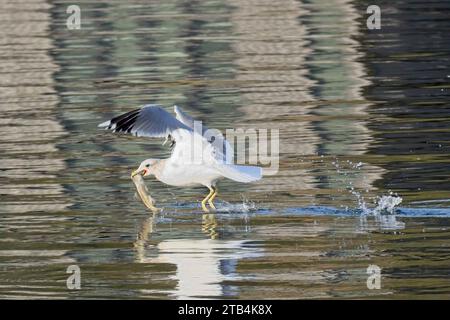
(142, 191)
(142, 172)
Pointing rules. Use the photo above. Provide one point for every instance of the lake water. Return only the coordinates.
(364, 120)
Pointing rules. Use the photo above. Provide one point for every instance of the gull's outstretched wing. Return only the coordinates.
(154, 121)
(218, 147)
(148, 121)
(185, 118)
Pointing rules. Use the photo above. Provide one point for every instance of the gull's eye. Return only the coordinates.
(148, 165)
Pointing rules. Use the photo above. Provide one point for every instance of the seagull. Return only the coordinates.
(199, 157)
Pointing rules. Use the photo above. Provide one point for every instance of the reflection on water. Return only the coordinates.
(28, 106)
(380, 222)
(202, 265)
(361, 113)
(301, 66)
(209, 225)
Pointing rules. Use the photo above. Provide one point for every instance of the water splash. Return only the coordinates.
(384, 214)
(387, 204)
(245, 207)
(360, 200)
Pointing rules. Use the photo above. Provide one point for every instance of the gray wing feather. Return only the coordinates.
(221, 148)
(148, 121)
(183, 117)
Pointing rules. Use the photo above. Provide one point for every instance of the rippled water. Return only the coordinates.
(362, 114)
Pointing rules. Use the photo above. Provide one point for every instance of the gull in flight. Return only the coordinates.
(200, 156)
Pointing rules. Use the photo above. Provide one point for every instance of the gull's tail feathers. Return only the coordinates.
(240, 173)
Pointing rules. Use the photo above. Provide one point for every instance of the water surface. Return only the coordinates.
(362, 114)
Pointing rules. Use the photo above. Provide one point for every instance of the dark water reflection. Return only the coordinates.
(361, 113)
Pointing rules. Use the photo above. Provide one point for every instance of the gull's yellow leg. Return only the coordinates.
(211, 191)
(211, 198)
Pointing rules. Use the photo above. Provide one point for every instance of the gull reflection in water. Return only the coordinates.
(202, 264)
